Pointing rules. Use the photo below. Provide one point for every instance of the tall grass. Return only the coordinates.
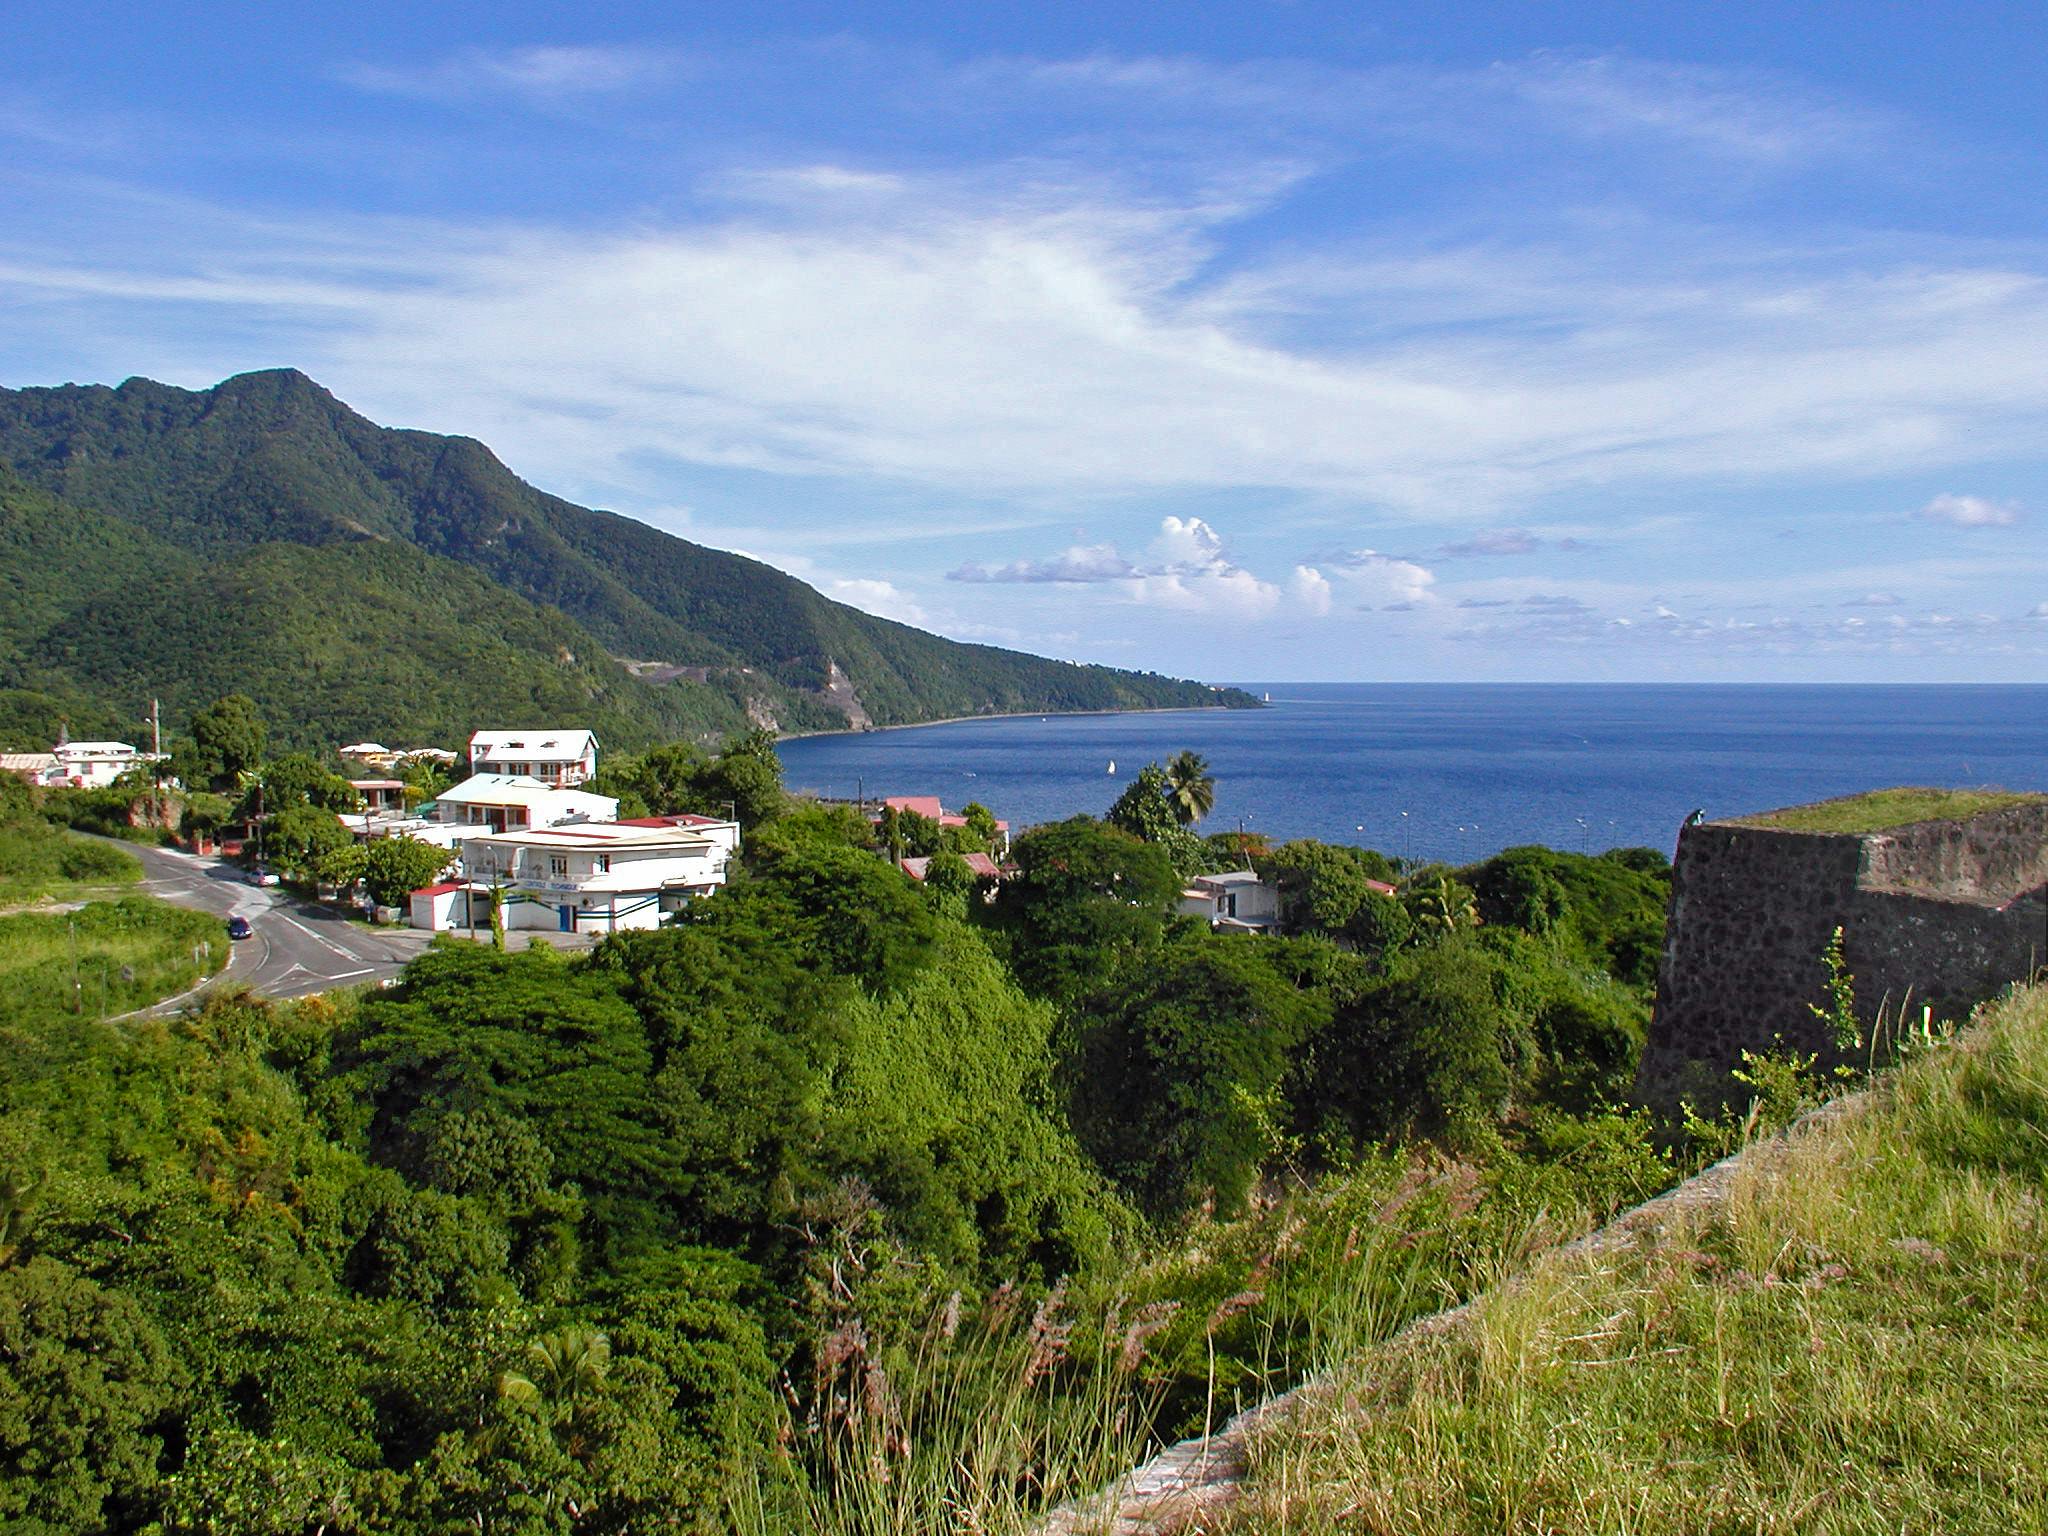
(981, 1413)
(38, 860)
(106, 958)
(1856, 1340)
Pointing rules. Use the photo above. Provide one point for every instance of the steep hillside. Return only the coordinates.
(267, 466)
(338, 641)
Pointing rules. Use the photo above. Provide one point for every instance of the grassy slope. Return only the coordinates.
(1856, 1342)
(1883, 809)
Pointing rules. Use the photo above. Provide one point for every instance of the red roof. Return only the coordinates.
(980, 864)
(1382, 888)
(443, 889)
(927, 806)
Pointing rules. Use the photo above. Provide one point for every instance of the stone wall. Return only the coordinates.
(1943, 913)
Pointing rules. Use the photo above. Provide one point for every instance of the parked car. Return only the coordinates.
(261, 876)
(238, 928)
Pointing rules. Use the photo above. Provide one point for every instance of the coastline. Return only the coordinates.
(1019, 714)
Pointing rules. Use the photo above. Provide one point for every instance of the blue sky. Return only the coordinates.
(1254, 340)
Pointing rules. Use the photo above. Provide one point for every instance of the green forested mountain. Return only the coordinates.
(262, 537)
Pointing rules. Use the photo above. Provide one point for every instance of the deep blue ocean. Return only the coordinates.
(1458, 771)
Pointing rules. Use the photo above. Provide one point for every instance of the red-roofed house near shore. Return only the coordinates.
(980, 864)
(930, 808)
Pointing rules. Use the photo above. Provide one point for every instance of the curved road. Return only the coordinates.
(296, 947)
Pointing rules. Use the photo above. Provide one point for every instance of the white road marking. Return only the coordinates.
(324, 942)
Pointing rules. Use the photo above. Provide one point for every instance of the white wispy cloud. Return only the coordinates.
(1970, 512)
(550, 72)
(1064, 350)
(1185, 566)
(1506, 541)
(1080, 563)
(1059, 350)
(1743, 116)
(1368, 579)
(1044, 330)
(884, 599)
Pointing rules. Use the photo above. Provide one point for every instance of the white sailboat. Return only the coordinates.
(1112, 765)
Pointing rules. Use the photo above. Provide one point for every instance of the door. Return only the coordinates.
(568, 918)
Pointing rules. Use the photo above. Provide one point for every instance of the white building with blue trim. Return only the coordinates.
(593, 877)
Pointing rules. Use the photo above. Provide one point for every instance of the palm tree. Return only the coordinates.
(1190, 787)
(563, 1369)
(1444, 906)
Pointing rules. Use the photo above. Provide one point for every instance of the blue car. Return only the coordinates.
(238, 928)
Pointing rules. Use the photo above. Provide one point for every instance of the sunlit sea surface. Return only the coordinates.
(1455, 772)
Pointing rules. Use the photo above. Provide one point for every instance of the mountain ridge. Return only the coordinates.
(668, 636)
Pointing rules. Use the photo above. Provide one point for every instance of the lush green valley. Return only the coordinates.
(846, 1203)
(262, 538)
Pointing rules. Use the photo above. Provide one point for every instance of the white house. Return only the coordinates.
(485, 802)
(1237, 899)
(599, 877)
(36, 767)
(561, 759)
(380, 794)
(93, 764)
(505, 802)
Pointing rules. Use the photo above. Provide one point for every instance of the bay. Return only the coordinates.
(1458, 771)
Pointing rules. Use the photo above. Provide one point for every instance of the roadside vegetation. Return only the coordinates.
(41, 862)
(104, 959)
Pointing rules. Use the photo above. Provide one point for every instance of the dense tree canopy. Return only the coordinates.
(546, 1243)
(226, 741)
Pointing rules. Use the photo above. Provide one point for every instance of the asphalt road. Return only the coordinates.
(295, 948)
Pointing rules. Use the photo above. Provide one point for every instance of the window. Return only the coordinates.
(558, 865)
(604, 863)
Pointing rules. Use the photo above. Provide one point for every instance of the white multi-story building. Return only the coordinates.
(485, 802)
(595, 877)
(561, 759)
(505, 802)
(93, 764)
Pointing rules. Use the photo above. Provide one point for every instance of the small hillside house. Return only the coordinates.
(1238, 899)
(931, 809)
